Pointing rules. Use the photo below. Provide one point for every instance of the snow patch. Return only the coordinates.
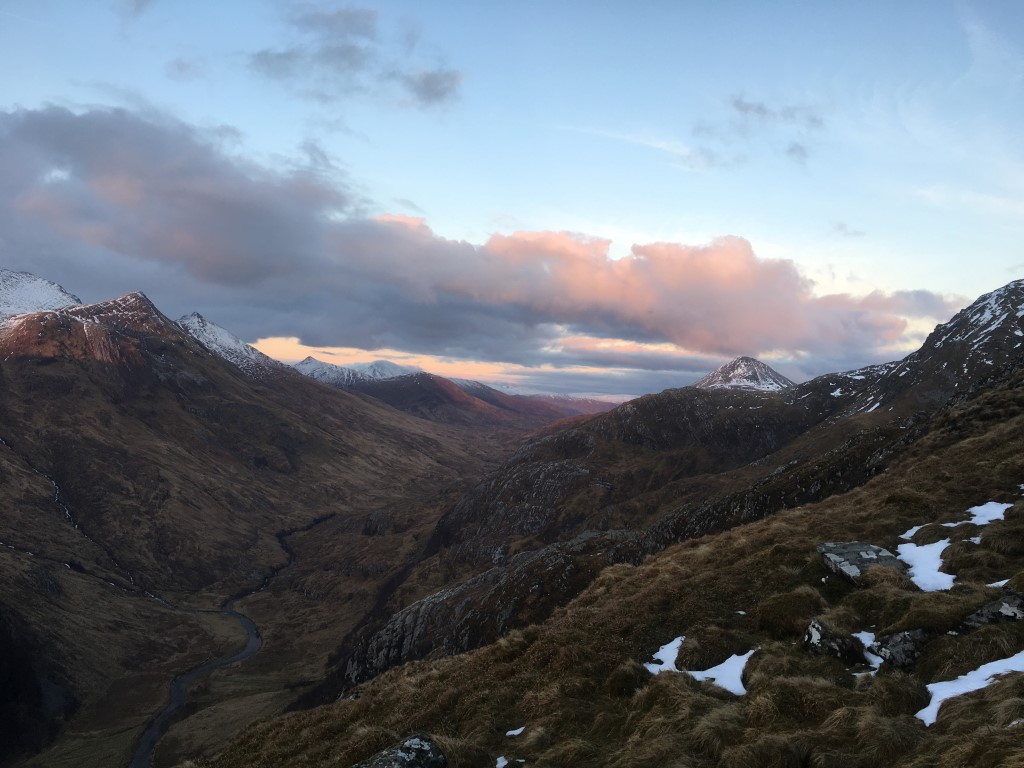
(866, 639)
(516, 731)
(975, 680)
(665, 657)
(728, 674)
(924, 562)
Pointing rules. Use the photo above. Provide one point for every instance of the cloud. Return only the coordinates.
(786, 128)
(138, 6)
(186, 68)
(108, 201)
(432, 87)
(341, 52)
(759, 111)
(842, 228)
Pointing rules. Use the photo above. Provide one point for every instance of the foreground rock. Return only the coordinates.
(851, 559)
(418, 751)
(1008, 608)
(902, 649)
(822, 641)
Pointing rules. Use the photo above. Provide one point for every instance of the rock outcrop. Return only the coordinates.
(822, 641)
(851, 559)
(1008, 608)
(901, 649)
(418, 751)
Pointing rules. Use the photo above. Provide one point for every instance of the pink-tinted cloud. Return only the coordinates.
(124, 201)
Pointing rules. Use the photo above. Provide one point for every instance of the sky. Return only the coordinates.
(578, 197)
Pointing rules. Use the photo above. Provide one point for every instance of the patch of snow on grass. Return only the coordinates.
(924, 562)
(501, 762)
(728, 674)
(998, 583)
(516, 731)
(866, 639)
(975, 680)
(665, 658)
(983, 514)
(910, 534)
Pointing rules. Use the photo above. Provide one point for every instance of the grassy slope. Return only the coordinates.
(188, 484)
(577, 684)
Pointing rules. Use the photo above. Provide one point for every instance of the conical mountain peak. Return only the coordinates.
(745, 373)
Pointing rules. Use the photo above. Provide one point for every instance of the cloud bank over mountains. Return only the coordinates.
(113, 199)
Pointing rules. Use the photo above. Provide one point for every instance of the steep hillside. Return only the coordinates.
(226, 345)
(594, 685)
(660, 469)
(144, 476)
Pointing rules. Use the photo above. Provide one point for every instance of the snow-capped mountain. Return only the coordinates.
(22, 292)
(745, 373)
(225, 344)
(347, 375)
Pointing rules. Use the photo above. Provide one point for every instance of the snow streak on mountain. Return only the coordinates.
(225, 344)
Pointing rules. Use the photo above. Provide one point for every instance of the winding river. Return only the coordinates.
(158, 726)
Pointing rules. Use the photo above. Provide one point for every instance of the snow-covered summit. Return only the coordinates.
(745, 373)
(384, 369)
(348, 375)
(1000, 310)
(226, 345)
(22, 292)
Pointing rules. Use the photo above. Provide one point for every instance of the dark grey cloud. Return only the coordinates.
(109, 201)
(337, 53)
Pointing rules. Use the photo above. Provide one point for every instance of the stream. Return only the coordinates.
(179, 687)
(157, 726)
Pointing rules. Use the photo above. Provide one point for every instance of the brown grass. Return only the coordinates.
(576, 683)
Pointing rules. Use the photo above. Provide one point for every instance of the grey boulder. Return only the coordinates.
(417, 751)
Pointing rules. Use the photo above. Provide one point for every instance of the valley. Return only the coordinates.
(321, 565)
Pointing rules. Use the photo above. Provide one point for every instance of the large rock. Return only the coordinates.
(902, 649)
(418, 751)
(822, 641)
(851, 559)
(1007, 608)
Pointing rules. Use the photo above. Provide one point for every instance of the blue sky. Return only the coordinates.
(867, 156)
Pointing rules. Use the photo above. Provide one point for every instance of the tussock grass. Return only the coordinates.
(577, 684)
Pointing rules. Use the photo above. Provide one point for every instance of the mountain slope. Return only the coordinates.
(447, 401)
(577, 687)
(348, 375)
(745, 373)
(654, 471)
(141, 472)
(226, 345)
(22, 292)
